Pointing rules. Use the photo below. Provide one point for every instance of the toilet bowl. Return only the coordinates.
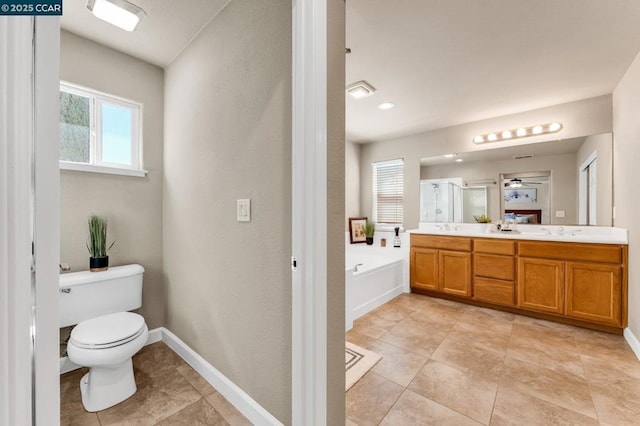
(106, 335)
(106, 345)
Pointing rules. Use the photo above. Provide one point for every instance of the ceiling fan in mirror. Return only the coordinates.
(518, 183)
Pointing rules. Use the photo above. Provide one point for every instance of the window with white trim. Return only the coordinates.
(99, 132)
(388, 192)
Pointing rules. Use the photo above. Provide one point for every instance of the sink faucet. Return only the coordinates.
(561, 230)
(357, 266)
(575, 231)
(446, 227)
(546, 231)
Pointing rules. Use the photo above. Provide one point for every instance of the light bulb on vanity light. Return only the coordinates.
(536, 130)
(507, 134)
(521, 132)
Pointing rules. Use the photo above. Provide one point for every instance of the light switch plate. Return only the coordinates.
(244, 210)
(559, 213)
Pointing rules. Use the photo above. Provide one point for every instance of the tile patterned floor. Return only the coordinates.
(448, 363)
(170, 393)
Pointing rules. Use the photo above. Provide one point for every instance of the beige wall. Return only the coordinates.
(602, 146)
(580, 118)
(563, 182)
(352, 182)
(133, 205)
(228, 136)
(626, 152)
(335, 211)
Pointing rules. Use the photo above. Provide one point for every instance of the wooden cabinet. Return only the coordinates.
(577, 283)
(541, 285)
(594, 292)
(455, 273)
(589, 283)
(424, 268)
(441, 264)
(494, 271)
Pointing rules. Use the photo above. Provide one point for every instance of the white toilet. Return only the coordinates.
(106, 335)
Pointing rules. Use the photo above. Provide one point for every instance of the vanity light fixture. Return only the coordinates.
(360, 90)
(386, 105)
(521, 132)
(120, 13)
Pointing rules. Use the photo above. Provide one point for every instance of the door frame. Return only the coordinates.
(309, 213)
(30, 284)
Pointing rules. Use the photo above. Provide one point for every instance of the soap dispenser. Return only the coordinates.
(396, 239)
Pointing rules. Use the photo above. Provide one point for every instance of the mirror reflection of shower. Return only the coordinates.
(438, 200)
(447, 200)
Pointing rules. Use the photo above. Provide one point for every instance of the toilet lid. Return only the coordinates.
(108, 330)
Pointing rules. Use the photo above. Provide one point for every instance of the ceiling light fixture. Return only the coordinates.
(120, 13)
(521, 132)
(386, 105)
(459, 160)
(360, 90)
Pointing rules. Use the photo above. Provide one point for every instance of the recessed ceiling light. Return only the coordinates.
(360, 90)
(459, 160)
(386, 105)
(120, 13)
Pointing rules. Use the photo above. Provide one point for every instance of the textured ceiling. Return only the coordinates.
(167, 29)
(447, 62)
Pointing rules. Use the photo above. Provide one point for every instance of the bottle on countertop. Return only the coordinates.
(396, 239)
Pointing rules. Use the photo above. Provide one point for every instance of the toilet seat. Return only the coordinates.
(108, 331)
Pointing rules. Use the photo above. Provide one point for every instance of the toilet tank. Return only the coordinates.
(85, 295)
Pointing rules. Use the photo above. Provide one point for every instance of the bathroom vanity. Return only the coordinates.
(574, 275)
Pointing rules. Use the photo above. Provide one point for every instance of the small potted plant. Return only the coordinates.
(483, 218)
(369, 230)
(97, 244)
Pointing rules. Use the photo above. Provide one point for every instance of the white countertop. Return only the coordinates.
(581, 234)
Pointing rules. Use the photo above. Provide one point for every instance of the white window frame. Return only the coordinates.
(382, 226)
(96, 165)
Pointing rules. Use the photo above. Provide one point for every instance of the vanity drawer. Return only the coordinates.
(494, 291)
(494, 246)
(494, 266)
(604, 253)
(440, 242)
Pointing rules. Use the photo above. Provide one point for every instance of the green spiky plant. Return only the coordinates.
(97, 244)
(369, 229)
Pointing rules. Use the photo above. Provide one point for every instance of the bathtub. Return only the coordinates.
(380, 275)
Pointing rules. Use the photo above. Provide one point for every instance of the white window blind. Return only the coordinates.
(388, 192)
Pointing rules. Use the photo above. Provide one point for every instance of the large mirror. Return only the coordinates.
(561, 182)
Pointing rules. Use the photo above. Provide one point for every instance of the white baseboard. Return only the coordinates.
(236, 396)
(633, 341)
(155, 335)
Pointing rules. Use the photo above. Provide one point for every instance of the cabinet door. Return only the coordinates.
(455, 272)
(593, 292)
(541, 285)
(424, 268)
